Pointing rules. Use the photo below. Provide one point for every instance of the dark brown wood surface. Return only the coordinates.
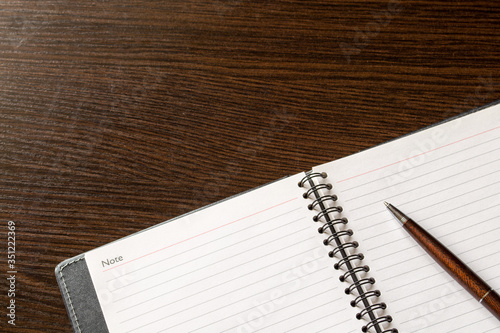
(116, 115)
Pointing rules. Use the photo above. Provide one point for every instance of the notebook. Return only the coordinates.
(316, 251)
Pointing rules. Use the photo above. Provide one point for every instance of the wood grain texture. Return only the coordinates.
(117, 115)
(456, 268)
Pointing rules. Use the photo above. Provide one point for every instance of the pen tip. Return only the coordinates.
(386, 203)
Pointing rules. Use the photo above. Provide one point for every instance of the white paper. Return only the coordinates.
(254, 263)
(447, 179)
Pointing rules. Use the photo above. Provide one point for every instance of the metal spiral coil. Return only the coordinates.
(332, 223)
(368, 294)
(342, 247)
(312, 175)
(376, 321)
(325, 212)
(331, 238)
(322, 199)
(350, 261)
(315, 189)
(358, 284)
(371, 308)
(353, 271)
(356, 256)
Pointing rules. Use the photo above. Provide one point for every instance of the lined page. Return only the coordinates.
(254, 263)
(447, 179)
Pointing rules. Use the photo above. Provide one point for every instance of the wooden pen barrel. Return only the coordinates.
(456, 268)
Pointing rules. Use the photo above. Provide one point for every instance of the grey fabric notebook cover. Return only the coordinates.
(79, 296)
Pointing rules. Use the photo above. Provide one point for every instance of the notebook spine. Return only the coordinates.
(345, 251)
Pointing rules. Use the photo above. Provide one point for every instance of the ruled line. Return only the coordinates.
(239, 300)
(451, 318)
(424, 185)
(253, 295)
(471, 324)
(235, 278)
(428, 301)
(400, 298)
(418, 280)
(329, 302)
(416, 245)
(474, 147)
(283, 308)
(393, 266)
(208, 254)
(200, 234)
(206, 244)
(457, 184)
(339, 323)
(452, 199)
(395, 228)
(409, 158)
(209, 265)
(214, 322)
(443, 236)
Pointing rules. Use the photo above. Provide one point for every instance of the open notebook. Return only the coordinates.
(257, 262)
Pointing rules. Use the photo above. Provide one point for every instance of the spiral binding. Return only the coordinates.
(365, 298)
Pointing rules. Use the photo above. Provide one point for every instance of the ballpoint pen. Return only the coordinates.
(454, 266)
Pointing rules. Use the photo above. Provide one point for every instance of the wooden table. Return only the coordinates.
(117, 115)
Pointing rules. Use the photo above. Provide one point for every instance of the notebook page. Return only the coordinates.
(447, 179)
(253, 263)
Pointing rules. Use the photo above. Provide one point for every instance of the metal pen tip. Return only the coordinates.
(402, 218)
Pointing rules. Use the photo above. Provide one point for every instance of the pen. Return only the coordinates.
(454, 266)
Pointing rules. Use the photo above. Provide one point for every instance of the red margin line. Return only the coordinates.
(203, 233)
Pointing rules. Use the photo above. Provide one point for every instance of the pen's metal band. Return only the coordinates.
(484, 296)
